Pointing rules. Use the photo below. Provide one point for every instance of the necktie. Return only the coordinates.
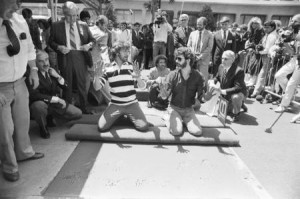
(199, 41)
(224, 75)
(48, 77)
(72, 38)
(14, 47)
(224, 37)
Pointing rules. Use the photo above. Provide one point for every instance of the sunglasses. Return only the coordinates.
(178, 58)
(224, 58)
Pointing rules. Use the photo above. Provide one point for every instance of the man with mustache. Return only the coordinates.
(184, 84)
(45, 103)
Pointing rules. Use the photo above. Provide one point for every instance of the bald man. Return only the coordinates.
(72, 40)
(182, 32)
(232, 84)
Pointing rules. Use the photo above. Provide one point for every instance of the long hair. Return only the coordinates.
(253, 20)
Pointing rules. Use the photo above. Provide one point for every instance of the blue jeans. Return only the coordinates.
(178, 116)
(14, 125)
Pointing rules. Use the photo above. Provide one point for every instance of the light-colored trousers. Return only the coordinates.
(261, 79)
(14, 125)
(290, 85)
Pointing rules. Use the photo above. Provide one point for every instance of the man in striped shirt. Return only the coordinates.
(121, 76)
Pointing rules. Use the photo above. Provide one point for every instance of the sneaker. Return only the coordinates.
(280, 109)
(295, 118)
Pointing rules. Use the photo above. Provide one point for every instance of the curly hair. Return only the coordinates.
(254, 20)
(159, 57)
(117, 47)
(187, 54)
(101, 19)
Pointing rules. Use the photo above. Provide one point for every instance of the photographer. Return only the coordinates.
(280, 54)
(266, 43)
(292, 67)
(160, 30)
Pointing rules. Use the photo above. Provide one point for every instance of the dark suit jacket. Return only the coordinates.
(233, 82)
(46, 90)
(179, 42)
(238, 42)
(219, 48)
(137, 41)
(58, 37)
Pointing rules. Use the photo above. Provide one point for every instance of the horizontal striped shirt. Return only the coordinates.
(121, 84)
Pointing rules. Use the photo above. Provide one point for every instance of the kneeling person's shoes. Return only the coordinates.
(12, 177)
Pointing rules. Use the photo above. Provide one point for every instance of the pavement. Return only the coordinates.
(266, 165)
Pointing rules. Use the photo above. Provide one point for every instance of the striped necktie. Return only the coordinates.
(72, 37)
(14, 47)
(199, 42)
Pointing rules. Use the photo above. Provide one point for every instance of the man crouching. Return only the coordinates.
(45, 103)
(120, 76)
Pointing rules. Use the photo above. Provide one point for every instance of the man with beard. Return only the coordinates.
(183, 84)
(292, 67)
(120, 76)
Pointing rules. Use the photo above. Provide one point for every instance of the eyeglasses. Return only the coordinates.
(178, 58)
(224, 58)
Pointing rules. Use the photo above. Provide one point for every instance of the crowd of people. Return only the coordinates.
(44, 63)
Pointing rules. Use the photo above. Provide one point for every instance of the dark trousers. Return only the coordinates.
(40, 110)
(74, 68)
(147, 57)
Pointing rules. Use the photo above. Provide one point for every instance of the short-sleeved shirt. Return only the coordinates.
(184, 91)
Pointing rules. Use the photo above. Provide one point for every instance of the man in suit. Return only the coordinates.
(72, 40)
(16, 51)
(45, 102)
(137, 41)
(236, 34)
(182, 32)
(223, 40)
(232, 84)
(201, 43)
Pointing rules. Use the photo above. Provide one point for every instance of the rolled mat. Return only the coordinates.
(155, 135)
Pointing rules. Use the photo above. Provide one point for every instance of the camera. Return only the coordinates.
(159, 20)
(259, 47)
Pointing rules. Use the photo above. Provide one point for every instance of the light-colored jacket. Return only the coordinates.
(205, 46)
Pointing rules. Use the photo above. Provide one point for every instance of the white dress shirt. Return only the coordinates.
(13, 68)
(77, 37)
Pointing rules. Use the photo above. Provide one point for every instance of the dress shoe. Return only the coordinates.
(235, 117)
(36, 156)
(12, 177)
